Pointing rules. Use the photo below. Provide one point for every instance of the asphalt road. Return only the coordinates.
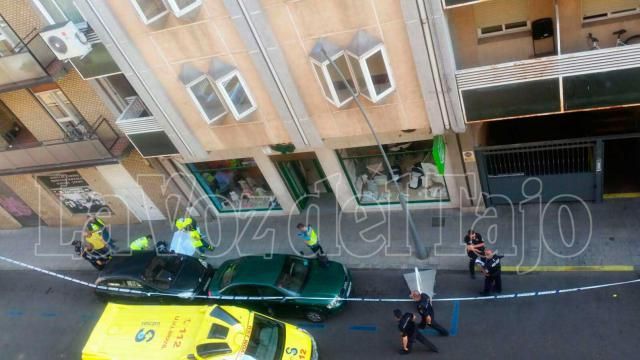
(47, 318)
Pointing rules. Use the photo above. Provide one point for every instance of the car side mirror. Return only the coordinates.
(191, 357)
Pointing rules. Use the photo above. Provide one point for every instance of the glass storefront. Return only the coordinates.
(413, 169)
(235, 185)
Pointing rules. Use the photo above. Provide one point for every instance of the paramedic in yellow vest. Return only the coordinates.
(189, 225)
(310, 237)
(97, 225)
(95, 239)
(141, 243)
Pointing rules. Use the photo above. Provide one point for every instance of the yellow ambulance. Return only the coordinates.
(194, 333)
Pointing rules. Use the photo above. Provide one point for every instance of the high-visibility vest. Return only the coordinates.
(313, 237)
(196, 239)
(183, 223)
(96, 240)
(139, 244)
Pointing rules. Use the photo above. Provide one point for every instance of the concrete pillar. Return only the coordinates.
(275, 181)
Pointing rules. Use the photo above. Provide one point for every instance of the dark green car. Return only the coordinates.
(285, 275)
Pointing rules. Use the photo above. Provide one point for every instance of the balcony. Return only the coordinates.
(588, 80)
(506, 69)
(144, 132)
(25, 63)
(100, 145)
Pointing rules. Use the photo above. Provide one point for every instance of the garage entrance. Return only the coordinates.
(510, 173)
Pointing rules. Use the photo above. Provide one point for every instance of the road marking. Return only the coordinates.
(545, 268)
(621, 195)
(14, 313)
(48, 314)
(370, 328)
(453, 330)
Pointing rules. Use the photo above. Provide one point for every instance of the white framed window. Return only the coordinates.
(333, 88)
(236, 94)
(204, 95)
(150, 11)
(59, 11)
(62, 111)
(594, 10)
(371, 67)
(331, 84)
(183, 7)
(500, 17)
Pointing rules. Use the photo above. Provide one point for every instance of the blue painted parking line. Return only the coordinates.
(370, 328)
(453, 330)
(48, 314)
(14, 313)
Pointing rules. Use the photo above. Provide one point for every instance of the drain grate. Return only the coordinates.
(437, 221)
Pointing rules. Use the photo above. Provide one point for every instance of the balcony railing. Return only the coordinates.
(30, 62)
(143, 130)
(592, 61)
(101, 144)
(580, 81)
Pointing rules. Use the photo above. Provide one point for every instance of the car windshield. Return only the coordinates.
(266, 339)
(162, 270)
(294, 274)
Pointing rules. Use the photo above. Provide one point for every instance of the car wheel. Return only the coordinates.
(314, 316)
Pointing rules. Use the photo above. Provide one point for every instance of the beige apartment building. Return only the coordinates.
(238, 104)
(249, 112)
(62, 155)
(549, 92)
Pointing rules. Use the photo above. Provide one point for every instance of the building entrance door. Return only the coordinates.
(621, 165)
(304, 177)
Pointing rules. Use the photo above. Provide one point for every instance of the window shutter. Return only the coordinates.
(498, 12)
(595, 7)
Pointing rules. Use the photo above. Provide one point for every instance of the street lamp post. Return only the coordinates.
(418, 245)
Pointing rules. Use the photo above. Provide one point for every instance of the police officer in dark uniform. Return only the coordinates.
(409, 334)
(491, 267)
(425, 309)
(475, 248)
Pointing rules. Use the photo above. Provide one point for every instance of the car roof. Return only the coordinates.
(129, 266)
(256, 270)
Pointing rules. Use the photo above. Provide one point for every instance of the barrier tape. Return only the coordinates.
(352, 299)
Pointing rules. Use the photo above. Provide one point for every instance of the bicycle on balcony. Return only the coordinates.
(631, 40)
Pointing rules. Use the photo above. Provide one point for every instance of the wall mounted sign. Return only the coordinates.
(74, 192)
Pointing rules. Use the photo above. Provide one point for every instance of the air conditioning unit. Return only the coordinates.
(66, 41)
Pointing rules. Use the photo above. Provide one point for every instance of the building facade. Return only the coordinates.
(62, 156)
(548, 92)
(235, 107)
(251, 115)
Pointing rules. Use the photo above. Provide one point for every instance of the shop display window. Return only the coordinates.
(413, 169)
(235, 185)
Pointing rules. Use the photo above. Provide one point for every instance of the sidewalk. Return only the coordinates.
(379, 239)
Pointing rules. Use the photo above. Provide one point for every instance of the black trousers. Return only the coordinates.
(472, 265)
(316, 249)
(434, 325)
(423, 340)
(493, 281)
